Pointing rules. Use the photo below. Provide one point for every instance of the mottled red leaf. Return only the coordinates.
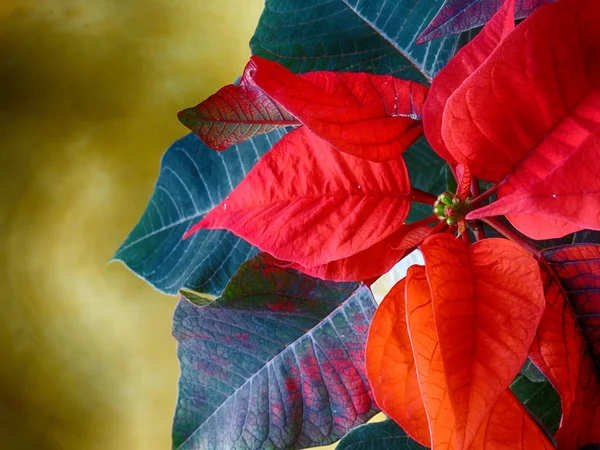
(487, 299)
(567, 346)
(557, 186)
(459, 68)
(391, 367)
(456, 16)
(276, 362)
(543, 79)
(308, 203)
(376, 117)
(235, 113)
(372, 262)
(507, 425)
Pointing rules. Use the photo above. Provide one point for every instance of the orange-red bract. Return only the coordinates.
(376, 117)
(428, 360)
(391, 367)
(565, 344)
(307, 203)
(487, 301)
(235, 113)
(507, 425)
(464, 63)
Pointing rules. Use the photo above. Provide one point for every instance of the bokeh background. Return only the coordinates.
(88, 95)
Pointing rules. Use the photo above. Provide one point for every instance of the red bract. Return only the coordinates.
(308, 203)
(459, 68)
(235, 113)
(372, 262)
(375, 117)
(526, 118)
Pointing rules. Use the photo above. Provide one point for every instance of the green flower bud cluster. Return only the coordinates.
(448, 207)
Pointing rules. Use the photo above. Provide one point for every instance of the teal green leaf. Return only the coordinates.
(375, 36)
(276, 362)
(193, 179)
(386, 435)
(541, 400)
(427, 172)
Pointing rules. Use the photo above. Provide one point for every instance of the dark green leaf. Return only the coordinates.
(540, 399)
(276, 362)
(386, 435)
(193, 179)
(532, 373)
(427, 172)
(376, 36)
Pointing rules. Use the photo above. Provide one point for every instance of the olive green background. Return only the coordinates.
(88, 95)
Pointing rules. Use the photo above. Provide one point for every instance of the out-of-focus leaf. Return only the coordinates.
(386, 435)
(193, 179)
(276, 362)
(375, 36)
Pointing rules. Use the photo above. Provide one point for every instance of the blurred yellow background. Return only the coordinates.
(88, 95)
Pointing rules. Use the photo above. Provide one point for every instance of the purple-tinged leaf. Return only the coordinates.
(235, 113)
(456, 16)
(567, 346)
(276, 362)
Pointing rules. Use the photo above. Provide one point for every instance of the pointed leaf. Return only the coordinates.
(308, 203)
(386, 435)
(538, 86)
(391, 367)
(556, 199)
(235, 113)
(487, 299)
(276, 362)
(459, 68)
(375, 36)
(566, 348)
(193, 179)
(376, 117)
(456, 16)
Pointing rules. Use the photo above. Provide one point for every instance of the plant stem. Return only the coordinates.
(419, 196)
(479, 198)
(465, 238)
(508, 233)
(475, 225)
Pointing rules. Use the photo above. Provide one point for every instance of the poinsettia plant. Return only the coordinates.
(359, 132)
